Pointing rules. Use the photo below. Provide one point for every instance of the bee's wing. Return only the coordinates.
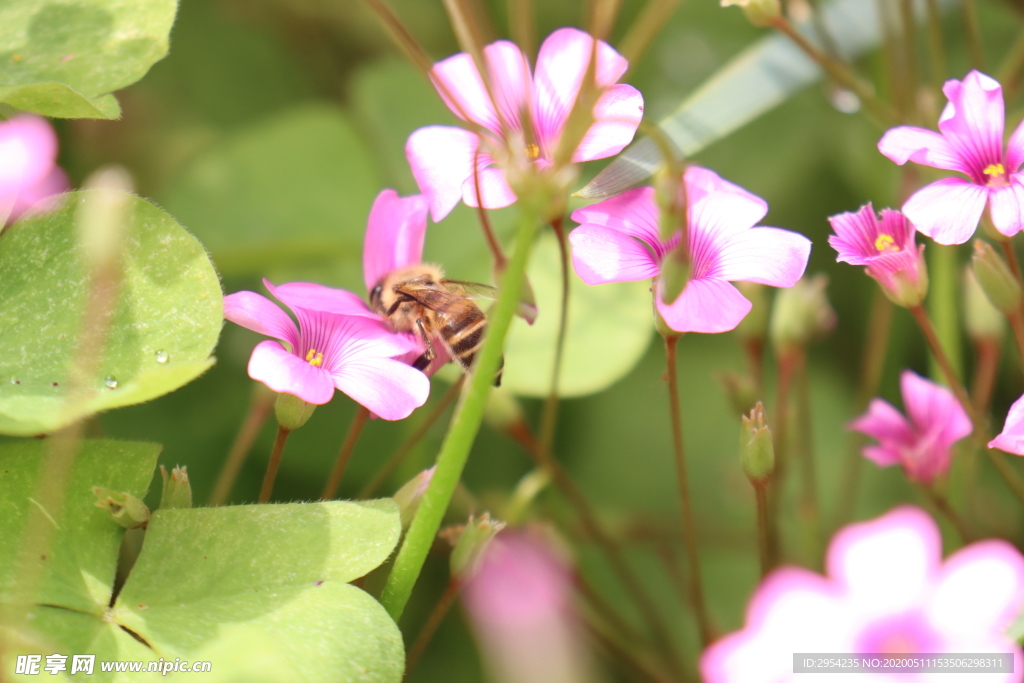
(429, 297)
(470, 290)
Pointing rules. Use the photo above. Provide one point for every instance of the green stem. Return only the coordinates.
(689, 528)
(764, 535)
(260, 407)
(972, 30)
(549, 418)
(943, 303)
(275, 462)
(345, 453)
(942, 504)
(871, 365)
(809, 512)
(464, 426)
(395, 460)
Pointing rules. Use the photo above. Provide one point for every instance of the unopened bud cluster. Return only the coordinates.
(995, 278)
(757, 454)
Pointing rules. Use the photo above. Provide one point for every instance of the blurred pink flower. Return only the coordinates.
(619, 240)
(442, 157)
(970, 142)
(394, 235)
(338, 343)
(923, 443)
(886, 246)
(887, 592)
(1011, 439)
(520, 605)
(28, 165)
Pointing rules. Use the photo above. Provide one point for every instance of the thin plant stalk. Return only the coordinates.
(400, 454)
(1016, 321)
(642, 32)
(437, 615)
(764, 534)
(908, 48)
(549, 418)
(943, 302)
(464, 425)
(809, 511)
(786, 363)
(260, 407)
(936, 47)
(871, 365)
(275, 462)
(497, 253)
(986, 368)
(942, 504)
(1004, 468)
(639, 669)
(345, 453)
(689, 527)
(520, 22)
(1011, 257)
(1009, 71)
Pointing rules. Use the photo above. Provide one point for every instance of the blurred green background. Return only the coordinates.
(269, 130)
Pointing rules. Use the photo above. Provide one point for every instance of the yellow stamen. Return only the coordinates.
(886, 243)
(532, 151)
(994, 169)
(315, 358)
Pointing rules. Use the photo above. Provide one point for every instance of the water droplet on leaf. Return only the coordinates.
(162, 356)
(110, 382)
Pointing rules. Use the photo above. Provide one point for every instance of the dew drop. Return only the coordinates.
(110, 382)
(162, 356)
(845, 101)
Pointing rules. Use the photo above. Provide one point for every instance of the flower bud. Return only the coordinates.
(740, 390)
(757, 455)
(1000, 286)
(291, 411)
(670, 198)
(472, 543)
(759, 12)
(177, 492)
(755, 325)
(802, 314)
(124, 508)
(676, 270)
(982, 320)
(409, 496)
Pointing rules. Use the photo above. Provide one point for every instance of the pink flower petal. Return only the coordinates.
(907, 143)
(394, 235)
(885, 424)
(972, 121)
(705, 306)
(719, 210)
(561, 66)
(258, 313)
(886, 564)
(1015, 149)
(28, 152)
(313, 297)
(287, 373)
(948, 210)
(460, 86)
(1007, 206)
(617, 115)
(388, 387)
(883, 456)
(934, 409)
(494, 189)
(980, 590)
(441, 158)
(792, 608)
(42, 196)
(634, 213)
(601, 254)
(1011, 439)
(768, 256)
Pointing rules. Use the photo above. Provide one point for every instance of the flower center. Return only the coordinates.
(996, 174)
(532, 151)
(315, 358)
(886, 243)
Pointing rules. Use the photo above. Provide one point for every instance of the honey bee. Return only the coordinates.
(419, 299)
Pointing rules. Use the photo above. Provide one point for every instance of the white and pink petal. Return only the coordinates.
(948, 210)
(394, 235)
(601, 254)
(258, 313)
(387, 387)
(707, 306)
(768, 256)
(286, 373)
(441, 159)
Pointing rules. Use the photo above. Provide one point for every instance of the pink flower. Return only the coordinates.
(886, 247)
(442, 157)
(394, 238)
(28, 170)
(922, 444)
(619, 240)
(338, 343)
(1011, 439)
(887, 592)
(971, 142)
(520, 603)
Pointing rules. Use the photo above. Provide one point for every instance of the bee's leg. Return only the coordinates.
(402, 299)
(429, 355)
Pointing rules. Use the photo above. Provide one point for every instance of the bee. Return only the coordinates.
(419, 299)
